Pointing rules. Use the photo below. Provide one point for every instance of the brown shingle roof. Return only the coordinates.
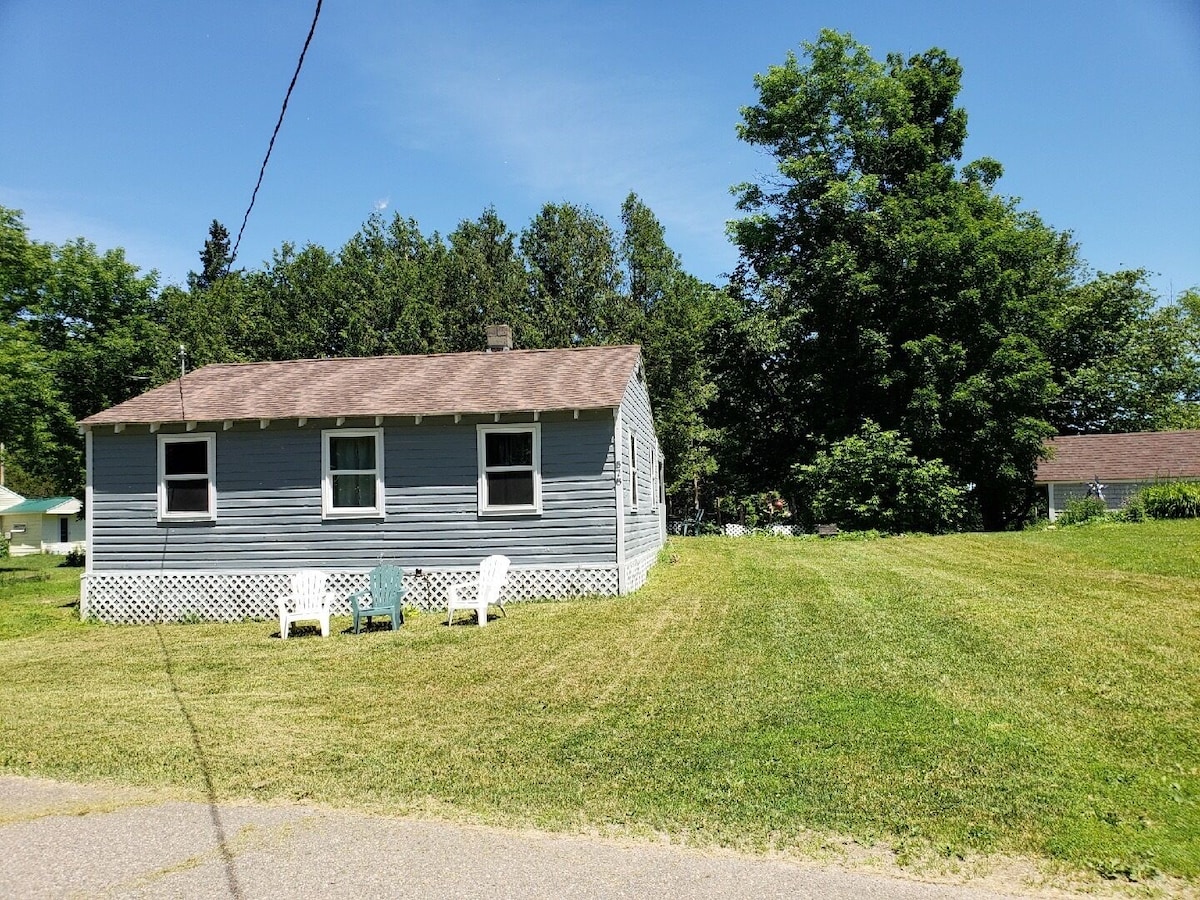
(510, 381)
(1140, 456)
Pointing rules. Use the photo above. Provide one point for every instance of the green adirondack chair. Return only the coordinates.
(383, 596)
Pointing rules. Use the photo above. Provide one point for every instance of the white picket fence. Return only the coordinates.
(733, 529)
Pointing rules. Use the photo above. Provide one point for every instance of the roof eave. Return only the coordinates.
(119, 425)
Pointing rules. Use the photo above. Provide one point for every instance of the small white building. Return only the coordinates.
(51, 525)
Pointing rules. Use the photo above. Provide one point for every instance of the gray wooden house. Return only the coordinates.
(1121, 464)
(205, 494)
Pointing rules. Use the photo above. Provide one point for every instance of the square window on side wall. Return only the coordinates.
(352, 473)
(187, 477)
(510, 478)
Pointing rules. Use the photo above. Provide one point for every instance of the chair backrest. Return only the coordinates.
(308, 588)
(387, 583)
(492, 573)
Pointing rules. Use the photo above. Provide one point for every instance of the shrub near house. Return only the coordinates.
(1171, 500)
(872, 480)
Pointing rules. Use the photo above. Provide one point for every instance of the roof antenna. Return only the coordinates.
(182, 372)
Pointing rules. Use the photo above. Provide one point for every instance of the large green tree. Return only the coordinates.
(215, 318)
(1187, 305)
(881, 280)
(486, 282)
(39, 449)
(1125, 361)
(393, 279)
(80, 333)
(575, 279)
(97, 315)
(215, 259)
(297, 306)
(672, 316)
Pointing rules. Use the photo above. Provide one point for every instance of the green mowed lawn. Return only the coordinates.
(1032, 694)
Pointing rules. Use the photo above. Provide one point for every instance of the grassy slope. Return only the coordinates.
(1028, 693)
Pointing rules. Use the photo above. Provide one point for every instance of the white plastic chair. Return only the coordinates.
(308, 600)
(481, 593)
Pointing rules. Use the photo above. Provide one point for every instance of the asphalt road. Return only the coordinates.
(66, 840)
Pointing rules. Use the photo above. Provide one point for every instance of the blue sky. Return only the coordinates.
(134, 124)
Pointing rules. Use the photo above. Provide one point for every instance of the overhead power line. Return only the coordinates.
(262, 171)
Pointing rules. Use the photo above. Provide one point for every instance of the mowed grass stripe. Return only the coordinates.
(1027, 693)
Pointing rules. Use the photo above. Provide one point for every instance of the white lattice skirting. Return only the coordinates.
(637, 569)
(172, 596)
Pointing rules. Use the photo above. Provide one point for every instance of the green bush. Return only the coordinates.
(755, 511)
(871, 480)
(1085, 509)
(1171, 500)
(1134, 510)
(76, 557)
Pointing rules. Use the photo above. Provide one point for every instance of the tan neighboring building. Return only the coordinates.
(52, 525)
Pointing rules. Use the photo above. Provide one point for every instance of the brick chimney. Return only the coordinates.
(499, 337)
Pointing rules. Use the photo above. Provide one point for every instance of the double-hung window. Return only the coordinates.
(187, 466)
(352, 477)
(510, 469)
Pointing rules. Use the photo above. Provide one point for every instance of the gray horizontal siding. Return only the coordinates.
(269, 502)
(1116, 493)
(642, 534)
(643, 526)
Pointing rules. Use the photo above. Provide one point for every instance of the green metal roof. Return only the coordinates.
(35, 506)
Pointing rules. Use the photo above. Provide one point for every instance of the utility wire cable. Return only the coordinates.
(262, 171)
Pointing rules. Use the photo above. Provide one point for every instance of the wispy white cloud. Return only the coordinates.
(564, 132)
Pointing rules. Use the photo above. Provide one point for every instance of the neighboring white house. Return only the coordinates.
(1118, 465)
(52, 525)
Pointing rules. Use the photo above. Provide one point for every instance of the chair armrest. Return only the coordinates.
(455, 590)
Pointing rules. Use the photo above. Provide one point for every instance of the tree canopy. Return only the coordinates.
(79, 331)
(896, 327)
(882, 281)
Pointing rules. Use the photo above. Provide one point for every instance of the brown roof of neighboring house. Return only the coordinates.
(1140, 456)
(440, 384)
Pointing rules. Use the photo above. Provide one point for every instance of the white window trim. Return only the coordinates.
(661, 469)
(652, 493)
(486, 508)
(328, 510)
(633, 473)
(210, 440)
